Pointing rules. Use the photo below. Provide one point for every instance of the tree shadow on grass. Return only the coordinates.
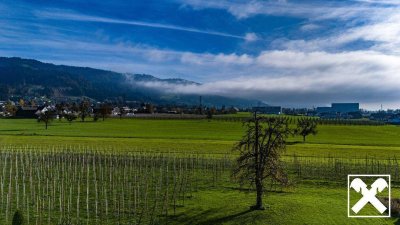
(294, 142)
(182, 218)
(225, 218)
(11, 130)
(207, 217)
(267, 190)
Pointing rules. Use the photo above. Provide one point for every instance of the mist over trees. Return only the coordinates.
(25, 77)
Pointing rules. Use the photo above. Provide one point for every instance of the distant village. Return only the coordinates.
(33, 108)
(17, 107)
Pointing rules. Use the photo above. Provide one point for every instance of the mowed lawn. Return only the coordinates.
(197, 136)
(308, 203)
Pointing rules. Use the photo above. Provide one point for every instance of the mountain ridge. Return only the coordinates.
(30, 77)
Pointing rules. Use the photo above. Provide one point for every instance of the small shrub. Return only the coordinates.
(18, 218)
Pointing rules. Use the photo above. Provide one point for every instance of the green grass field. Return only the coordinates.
(309, 202)
(198, 136)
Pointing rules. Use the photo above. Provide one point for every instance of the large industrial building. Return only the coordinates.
(345, 107)
(339, 110)
(268, 109)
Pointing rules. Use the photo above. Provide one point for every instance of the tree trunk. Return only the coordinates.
(259, 184)
(260, 192)
(304, 138)
(46, 125)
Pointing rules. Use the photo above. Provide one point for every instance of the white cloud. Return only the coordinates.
(61, 15)
(384, 2)
(386, 30)
(290, 78)
(314, 11)
(310, 27)
(216, 60)
(249, 37)
(382, 33)
(284, 77)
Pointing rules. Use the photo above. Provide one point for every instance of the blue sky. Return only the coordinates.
(293, 53)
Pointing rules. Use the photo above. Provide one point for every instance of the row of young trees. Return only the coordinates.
(97, 187)
(82, 110)
(319, 121)
(337, 168)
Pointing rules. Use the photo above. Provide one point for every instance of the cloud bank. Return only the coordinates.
(298, 77)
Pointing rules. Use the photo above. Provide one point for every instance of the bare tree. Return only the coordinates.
(105, 110)
(60, 110)
(305, 127)
(260, 151)
(10, 109)
(121, 112)
(149, 108)
(96, 117)
(210, 113)
(46, 115)
(70, 116)
(84, 109)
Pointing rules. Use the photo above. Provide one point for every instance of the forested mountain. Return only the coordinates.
(27, 77)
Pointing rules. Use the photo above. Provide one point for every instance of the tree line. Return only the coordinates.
(74, 111)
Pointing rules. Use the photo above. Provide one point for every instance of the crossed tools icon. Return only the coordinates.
(369, 195)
